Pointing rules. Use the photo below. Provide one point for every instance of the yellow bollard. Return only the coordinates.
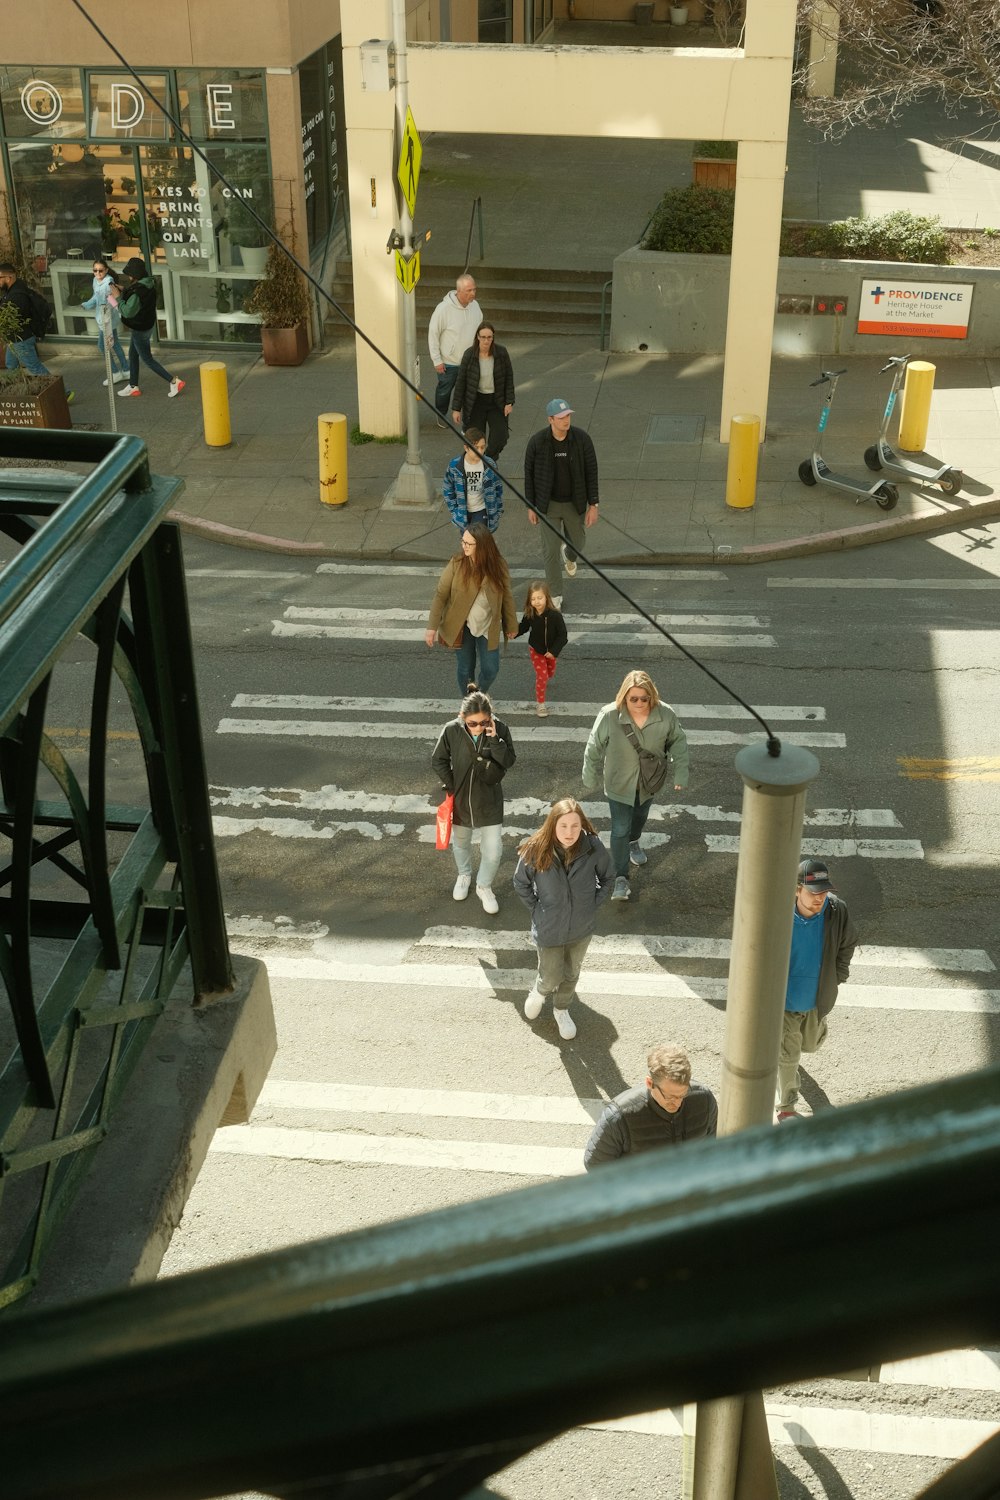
(915, 411)
(215, 404)
(741, 477)
(333, 458)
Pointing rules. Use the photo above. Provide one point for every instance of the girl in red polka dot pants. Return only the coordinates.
(547, 635)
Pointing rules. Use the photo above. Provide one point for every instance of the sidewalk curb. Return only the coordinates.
(844, 540)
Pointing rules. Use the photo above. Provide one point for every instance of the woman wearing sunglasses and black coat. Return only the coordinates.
(473, 754)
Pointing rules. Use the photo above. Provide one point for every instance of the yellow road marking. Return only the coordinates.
(84, 734)
(963, 768)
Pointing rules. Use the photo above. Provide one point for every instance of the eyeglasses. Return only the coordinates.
(469, 546)
(477, 723)
(100, 270)
(637, 698)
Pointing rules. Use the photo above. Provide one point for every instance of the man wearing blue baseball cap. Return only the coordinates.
(560, 480)
(823, 943)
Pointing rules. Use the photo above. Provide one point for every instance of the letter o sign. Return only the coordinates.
(38, 87)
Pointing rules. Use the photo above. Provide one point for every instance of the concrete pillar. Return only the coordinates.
(822, 79)
(753, 281)
(370, 122)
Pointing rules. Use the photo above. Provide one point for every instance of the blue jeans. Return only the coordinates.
(473, 647)
(490, 850)
(627, 824)
(139, 349)
(24, 352)
(445, 386)
(118, 360)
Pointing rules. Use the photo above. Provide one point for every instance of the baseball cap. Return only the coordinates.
(814, 875)
(558, 408)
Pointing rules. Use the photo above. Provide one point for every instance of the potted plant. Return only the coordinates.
(281, 303)
(713, 164)
(28, 400)
(253, 250)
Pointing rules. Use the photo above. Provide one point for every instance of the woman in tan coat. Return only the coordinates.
(472, 606)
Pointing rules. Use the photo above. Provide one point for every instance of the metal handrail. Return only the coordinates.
(604, 296)
(597, 1297)
(477, 210)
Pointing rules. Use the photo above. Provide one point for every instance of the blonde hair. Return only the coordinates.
(637, 680)
(539, 850)
(667, 1064)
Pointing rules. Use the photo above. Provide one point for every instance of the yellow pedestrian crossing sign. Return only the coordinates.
(408, 271)
(408, 171)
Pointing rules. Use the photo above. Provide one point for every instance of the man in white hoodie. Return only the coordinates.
(452, 328)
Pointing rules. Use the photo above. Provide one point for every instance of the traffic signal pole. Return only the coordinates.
(732, 1455)
(413, 483)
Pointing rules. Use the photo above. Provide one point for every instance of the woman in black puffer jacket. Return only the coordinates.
(472, 756)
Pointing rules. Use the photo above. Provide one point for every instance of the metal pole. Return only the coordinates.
(104, 319)
(774, 787)
(413, 484)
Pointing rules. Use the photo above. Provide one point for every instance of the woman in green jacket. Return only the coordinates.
(637, 721)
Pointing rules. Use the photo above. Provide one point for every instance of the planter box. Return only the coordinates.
(711, 172)
(678, 304)
(285, 346)
(47, 409)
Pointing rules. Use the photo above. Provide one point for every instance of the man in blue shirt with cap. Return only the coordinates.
(823, 943)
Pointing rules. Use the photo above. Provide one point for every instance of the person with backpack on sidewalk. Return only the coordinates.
(22, 353)
(138, 313)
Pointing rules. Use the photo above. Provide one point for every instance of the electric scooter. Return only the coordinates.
(816, 470)
(882, 456)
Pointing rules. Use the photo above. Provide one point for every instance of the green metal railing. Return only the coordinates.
(125, 895)
(422, 1356)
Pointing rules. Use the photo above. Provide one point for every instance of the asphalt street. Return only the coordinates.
(407, 1077)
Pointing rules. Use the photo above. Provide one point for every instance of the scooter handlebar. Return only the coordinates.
(897, 359)
(825, 375)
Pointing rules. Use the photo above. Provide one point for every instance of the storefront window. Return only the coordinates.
(59, 193)
(315, 147)
(119, 108)
(226, 104)
(43, 101)
(496, 20)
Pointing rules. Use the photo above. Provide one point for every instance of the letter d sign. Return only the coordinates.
(127, 106)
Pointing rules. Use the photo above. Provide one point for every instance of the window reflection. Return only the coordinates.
(42, 101)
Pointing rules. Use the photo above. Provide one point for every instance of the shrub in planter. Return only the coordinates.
(693, 221)
(899, 235)
(281, 303)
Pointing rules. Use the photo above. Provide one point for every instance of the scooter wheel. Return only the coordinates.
(872, 459)
(886, 496)
(952, 481)
(806, 473)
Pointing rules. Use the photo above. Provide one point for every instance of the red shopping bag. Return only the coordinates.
(443, 821)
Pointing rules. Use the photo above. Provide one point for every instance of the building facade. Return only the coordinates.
(91, 166)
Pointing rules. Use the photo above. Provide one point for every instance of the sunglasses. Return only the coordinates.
(477, 723)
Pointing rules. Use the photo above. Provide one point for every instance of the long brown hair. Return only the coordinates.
(537, 586)
(539, 850)
(486, 565)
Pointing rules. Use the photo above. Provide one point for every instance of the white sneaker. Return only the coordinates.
(622, 890)
(569, 566)
(121, 375)
(533, 1005)
(461, 888)
(486, 896)
(129, 390)
(176, 386)
(557, 600)
(566, 1024)
(542, 711)
(636, 853)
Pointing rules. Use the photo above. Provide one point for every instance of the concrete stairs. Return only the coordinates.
(518, 299)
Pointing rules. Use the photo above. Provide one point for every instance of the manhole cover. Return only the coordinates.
(675, 429)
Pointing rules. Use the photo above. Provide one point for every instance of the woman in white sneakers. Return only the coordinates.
(473, 754)
(563, 874)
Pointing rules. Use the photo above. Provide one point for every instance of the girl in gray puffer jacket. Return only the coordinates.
(563, 874)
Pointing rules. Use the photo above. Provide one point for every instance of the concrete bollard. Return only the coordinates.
(915, 411)
(333, 458)
(215, 404)
(741, 476)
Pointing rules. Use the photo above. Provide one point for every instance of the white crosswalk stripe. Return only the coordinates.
(909, 585)
(694, 640)
(306, 815)
(620, 575)
(354, 729)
